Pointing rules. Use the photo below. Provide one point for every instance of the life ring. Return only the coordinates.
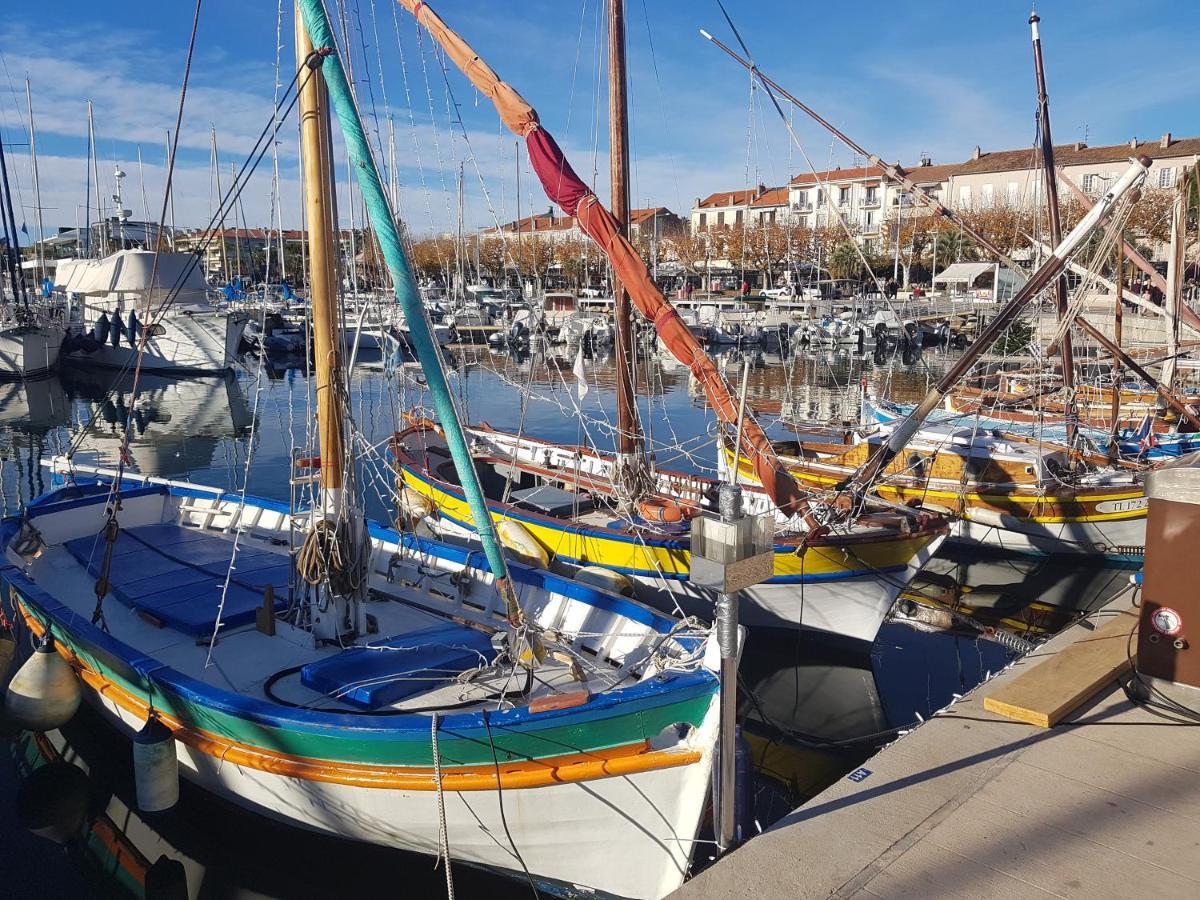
(664, 510)
(517, 539)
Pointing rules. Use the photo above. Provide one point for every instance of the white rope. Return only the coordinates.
(443, 832)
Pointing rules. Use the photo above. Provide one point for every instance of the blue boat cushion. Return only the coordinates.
(176, 574)
(388, 671)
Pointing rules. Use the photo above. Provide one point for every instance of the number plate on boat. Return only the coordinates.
(1119, 506)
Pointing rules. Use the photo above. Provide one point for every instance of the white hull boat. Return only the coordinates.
(596, 785)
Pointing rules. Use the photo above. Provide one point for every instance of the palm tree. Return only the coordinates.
(844, 261)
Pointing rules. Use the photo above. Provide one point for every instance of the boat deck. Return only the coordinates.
(167, 584)
(970, 804)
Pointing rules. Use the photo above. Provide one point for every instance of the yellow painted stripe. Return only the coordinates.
(570, 541)
(952, 499)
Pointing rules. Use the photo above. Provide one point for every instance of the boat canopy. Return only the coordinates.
(967, 273)
(129, 272)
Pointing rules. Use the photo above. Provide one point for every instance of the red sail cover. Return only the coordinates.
(566, 189)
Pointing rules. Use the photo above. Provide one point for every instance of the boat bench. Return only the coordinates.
(388, 671)
(176, 575)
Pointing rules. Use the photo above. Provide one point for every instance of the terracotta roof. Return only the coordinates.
(535, 223)
(836, 176)
(932, 174)
(637, 216)
(730, 198)
(774, 197)
(1068, 155)
(244, 234)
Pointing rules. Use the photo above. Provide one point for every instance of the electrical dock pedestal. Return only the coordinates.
(730, 552)
(1099, 799)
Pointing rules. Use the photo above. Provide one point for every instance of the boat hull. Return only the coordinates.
(840, 589)
(29, 352)
(572, 789)
(197, 343)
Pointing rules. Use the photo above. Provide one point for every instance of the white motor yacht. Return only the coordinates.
(107, 303)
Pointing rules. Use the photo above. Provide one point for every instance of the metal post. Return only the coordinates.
(730, 502)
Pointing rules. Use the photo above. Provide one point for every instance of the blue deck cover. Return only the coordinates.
(391, 670)
(176, 575)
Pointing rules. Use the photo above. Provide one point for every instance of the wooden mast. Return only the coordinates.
(629, 440)
(322, 264)
(1050, 177)
(1173, 299)
(1118, 326)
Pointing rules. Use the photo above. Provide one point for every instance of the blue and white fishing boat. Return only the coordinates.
(341, 676)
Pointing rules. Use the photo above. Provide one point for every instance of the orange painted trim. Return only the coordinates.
(631, 759)
(126, 855)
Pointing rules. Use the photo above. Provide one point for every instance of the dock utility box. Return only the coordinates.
(1170, 614)
(397, 668)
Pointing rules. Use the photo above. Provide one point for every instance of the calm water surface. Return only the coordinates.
(812, 711)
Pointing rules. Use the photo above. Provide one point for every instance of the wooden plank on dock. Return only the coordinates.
(1049, 691)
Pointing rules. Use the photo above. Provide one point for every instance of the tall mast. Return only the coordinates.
(1050, 177)
(322, 270)
(316, 20)
(172, 226)
(1118, 327)
(216, 167)
(12, 245)
(628, 433)
(37, 185)
(520, 244)
(1172, 300)
(237, 225)
(95, 153)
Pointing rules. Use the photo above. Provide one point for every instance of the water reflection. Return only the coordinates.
(74, 788)
(812, 710)
(177, 422)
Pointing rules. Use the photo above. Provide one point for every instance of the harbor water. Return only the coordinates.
(812, 709)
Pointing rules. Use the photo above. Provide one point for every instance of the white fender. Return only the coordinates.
(517, 539)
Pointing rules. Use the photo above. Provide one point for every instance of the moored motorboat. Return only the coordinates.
(109, 312)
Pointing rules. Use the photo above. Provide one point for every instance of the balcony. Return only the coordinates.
(870, 201)
(802, 207)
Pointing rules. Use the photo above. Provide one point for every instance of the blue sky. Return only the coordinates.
(933, 77)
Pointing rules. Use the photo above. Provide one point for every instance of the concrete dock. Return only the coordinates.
(970, 804)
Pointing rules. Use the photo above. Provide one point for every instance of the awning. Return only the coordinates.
(960, 272)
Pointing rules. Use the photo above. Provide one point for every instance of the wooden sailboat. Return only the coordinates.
(836, 575)
(341, 676)
(1005, 490)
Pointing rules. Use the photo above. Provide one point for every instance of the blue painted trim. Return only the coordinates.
(137, 667)
(649, 694)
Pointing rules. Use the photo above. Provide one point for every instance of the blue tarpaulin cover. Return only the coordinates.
(176, 574)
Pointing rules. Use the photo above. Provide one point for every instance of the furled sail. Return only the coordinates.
(566, 189)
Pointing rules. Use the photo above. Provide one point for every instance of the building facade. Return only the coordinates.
(1014, 177)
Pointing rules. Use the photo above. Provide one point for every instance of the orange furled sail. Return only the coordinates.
(565, 188)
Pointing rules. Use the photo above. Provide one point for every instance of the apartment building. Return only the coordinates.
(1014, 177)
